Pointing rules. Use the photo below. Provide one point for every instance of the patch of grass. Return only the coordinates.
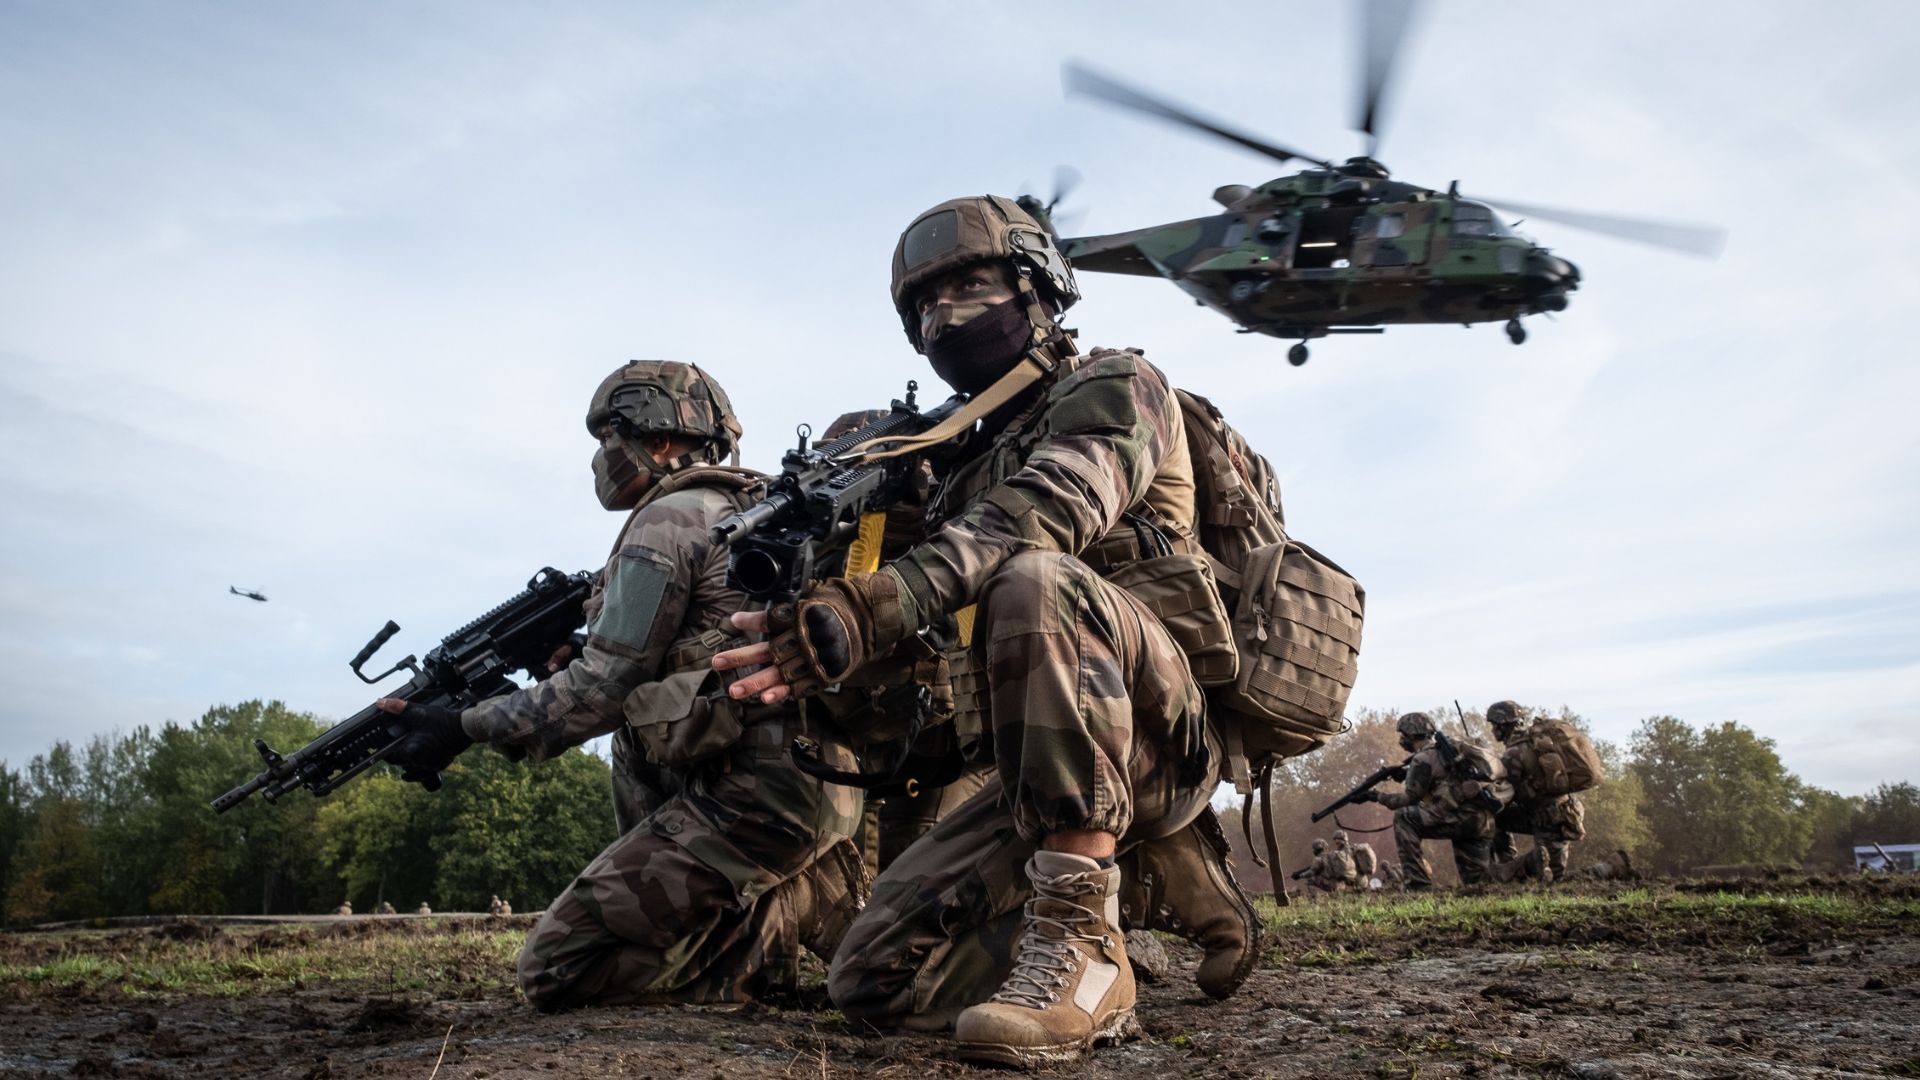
(1324, 931)
(448, 961)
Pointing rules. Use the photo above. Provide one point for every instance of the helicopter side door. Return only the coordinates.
(1394, 235)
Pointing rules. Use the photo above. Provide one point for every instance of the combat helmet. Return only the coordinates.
(1504, 716)
(665, 397)
(1415, 725)
(1340, 838)
(1319, 846)
(978, 228)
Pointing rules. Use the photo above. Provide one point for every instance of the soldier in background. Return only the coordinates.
(1366, 864)
(1554, 822)
(423, 909)
(1004, 919)
(385, 908)
(1331, 870)
(731, 859)
(345, 908)
(1432, 805)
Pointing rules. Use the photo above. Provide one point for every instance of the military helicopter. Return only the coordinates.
(248, 593)
(1343, 248)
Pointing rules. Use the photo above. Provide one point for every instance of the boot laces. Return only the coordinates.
(1045, 961)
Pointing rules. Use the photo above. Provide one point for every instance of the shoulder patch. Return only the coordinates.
(636, 587)
(1101, 364)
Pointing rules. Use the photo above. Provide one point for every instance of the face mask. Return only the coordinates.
(618, 477)
(971, 355)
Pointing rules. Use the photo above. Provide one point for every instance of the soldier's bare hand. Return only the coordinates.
(562, 656)
(391, 705)
(768, 684)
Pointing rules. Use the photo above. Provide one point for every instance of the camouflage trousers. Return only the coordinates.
(1097, 724)
(1470, 831)
(711, 896)
(904, 819)
(1554, 826)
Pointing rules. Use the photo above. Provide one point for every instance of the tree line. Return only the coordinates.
(120, 825)
(1678, 798)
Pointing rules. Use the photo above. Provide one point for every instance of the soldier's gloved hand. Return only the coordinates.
(1367, 796)
(838, 626)
(436, 738)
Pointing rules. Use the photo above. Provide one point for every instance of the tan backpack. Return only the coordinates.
(1555, 758)
(1294, 615)
(1365, 862)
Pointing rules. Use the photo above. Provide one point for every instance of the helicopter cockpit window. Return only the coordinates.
(1472, 219)
(1390, 226)
(931, 236)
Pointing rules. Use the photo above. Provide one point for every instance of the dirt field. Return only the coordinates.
(1802, 979)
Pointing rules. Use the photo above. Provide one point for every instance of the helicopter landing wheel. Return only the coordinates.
(1297, 355)
(1515, 332)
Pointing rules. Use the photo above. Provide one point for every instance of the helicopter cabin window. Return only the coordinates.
(1472, 219)
(1390, 226)
(1326, 239)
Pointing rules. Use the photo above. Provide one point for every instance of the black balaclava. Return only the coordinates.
(972, 353)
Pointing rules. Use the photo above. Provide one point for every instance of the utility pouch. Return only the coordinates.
(683, 718)
(1296, 622)
(1181, 593)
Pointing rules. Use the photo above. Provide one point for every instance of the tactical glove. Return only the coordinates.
(1367, 797)
(435, 740)
(839, 625)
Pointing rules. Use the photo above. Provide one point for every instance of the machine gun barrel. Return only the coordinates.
(1378, 777)
(469, 665)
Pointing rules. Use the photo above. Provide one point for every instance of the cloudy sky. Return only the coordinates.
(309, 299)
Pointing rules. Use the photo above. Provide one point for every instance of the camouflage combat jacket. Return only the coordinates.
(1431, 784)
(1101, 439)
(656, 617)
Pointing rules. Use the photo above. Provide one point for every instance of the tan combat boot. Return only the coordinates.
(1070, 988)
(1182, 884)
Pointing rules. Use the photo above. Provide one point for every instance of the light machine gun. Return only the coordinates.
(828, 499)
(815, 504)
(468, 666)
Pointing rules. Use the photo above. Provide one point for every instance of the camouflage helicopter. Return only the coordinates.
(1343, 248)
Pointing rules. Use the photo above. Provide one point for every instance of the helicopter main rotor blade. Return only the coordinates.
(1078, 79)
(1383, 25)
(1702, 240)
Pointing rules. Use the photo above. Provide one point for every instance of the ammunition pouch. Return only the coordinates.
(1182, 594)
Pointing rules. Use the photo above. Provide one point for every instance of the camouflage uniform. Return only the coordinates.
(1431, 806)
(1096, 721)
(1554, 822)
(730, 859)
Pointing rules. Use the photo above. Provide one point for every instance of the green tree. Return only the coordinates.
(58, 877)
(1831, 818)
(1616, 820)
(14, 823)
(1890, 814)
(521, 830)
(1717, 796)
(258, 857)
(376, 838)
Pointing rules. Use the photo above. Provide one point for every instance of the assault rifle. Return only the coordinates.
(815, 503)
(1379, 776)
(468, 666)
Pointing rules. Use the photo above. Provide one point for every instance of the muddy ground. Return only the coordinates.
(1783, 994)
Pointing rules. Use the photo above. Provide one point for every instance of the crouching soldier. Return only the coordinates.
(730, 859)
(1432, 805)
(1004, 920)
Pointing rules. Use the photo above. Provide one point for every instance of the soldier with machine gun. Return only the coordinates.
(731, 859)
(1449, 792)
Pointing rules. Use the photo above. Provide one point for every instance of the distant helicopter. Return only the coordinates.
(1343, 248)
(248, 593)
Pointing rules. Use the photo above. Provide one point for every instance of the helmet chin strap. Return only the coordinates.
(1045, 331)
